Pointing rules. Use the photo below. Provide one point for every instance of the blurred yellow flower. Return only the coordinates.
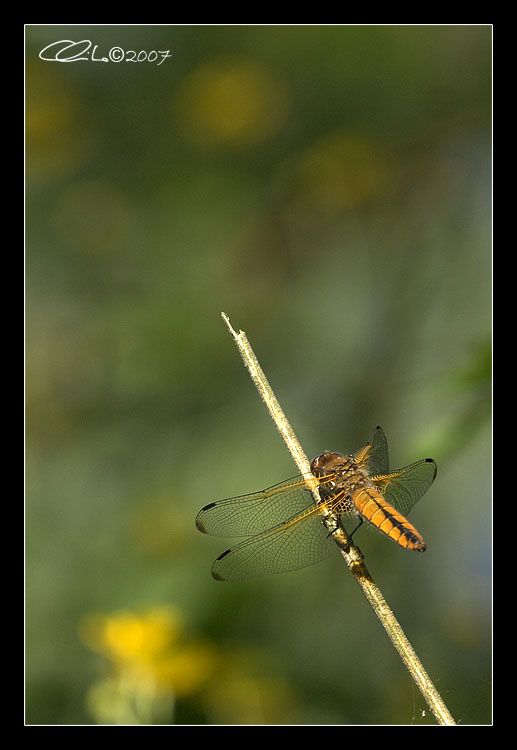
(187, 669)
(127, 636)
(58, 139)
(229, 102)
(343, 171)
(152, 661)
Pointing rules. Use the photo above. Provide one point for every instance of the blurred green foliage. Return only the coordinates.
(329, 188)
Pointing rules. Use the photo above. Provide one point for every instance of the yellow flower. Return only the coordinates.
(235, 102)
(152, 662)
(58, 138)
(344, 171)
(150, 650)
(187, 669)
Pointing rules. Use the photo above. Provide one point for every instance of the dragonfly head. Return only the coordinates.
(327, 463)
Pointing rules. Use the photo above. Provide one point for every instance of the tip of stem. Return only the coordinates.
(226, 319)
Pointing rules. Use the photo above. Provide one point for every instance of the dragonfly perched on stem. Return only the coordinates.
(285, 526)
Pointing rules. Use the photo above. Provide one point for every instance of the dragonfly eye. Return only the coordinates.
(325, 463)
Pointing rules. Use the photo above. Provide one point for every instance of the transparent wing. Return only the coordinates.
(247, 515)
(373, 456)
(301, 541)
(404, 488)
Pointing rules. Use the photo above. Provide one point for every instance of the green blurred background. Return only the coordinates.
(329, 188)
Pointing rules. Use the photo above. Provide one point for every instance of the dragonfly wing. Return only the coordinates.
(373, 456)
(301, 541)
(404, 488)
(248, 515)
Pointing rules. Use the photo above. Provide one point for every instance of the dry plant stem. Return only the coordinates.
(352, 555)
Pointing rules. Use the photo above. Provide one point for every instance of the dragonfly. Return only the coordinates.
(284, 524)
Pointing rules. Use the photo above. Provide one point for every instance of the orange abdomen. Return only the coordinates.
(374, 508)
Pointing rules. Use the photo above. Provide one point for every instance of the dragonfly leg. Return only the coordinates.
(359, 523)
(351, 533)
